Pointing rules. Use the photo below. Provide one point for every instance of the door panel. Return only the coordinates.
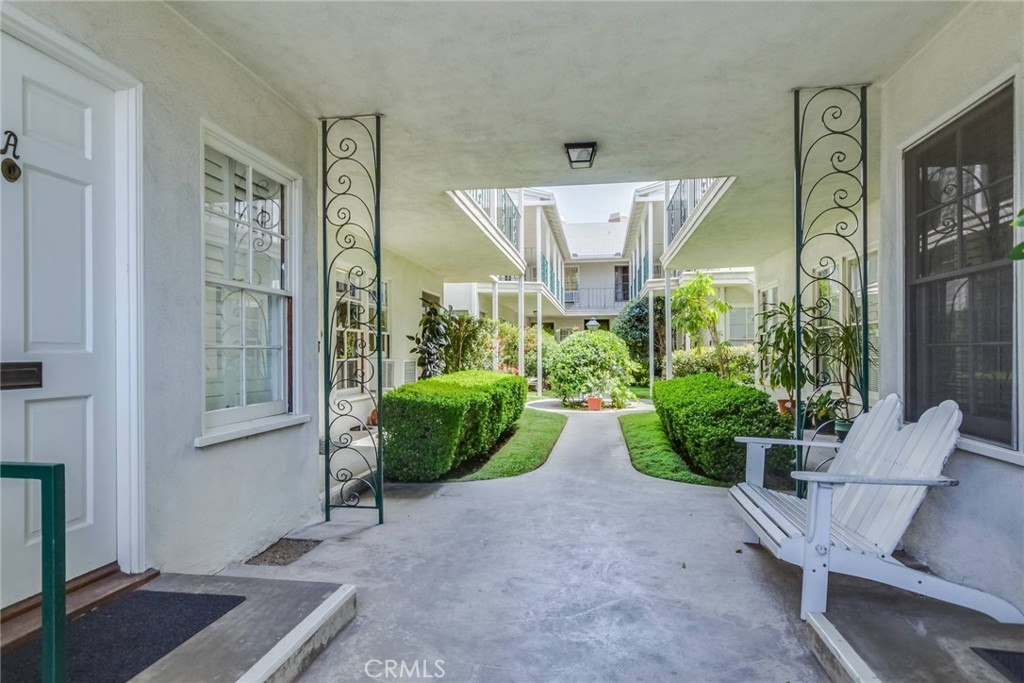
(57, 275)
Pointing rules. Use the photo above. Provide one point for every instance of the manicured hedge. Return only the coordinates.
(703, 414)
(435, 424)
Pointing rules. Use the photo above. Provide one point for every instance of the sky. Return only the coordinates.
(593, 203)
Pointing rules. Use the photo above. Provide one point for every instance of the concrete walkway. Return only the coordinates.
(583, 570)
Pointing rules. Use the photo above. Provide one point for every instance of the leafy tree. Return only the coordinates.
(696, 309)
(508, 338)
(592, 364)
(632, 326)
(431, 341)
(469, 342)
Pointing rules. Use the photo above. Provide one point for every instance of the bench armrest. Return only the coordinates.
(788, 442)
(841, 479)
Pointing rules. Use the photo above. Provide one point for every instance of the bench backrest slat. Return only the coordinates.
(884, 418)
(882, 514)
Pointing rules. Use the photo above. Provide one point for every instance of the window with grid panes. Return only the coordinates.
(248, 297)
(959, 185)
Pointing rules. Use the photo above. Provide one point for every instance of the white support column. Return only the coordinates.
(522, 325)
(540, 357)
(668, 298)
(495, 359)
(650, 244)
(540, 219)
(650, 338)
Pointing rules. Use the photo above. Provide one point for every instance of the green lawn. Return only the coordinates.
(641, 392)
(651, 452)
(529, 446)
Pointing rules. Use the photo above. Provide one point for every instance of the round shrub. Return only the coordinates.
(703, 414)
(590, 363)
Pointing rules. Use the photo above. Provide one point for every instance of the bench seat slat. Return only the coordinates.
(790, 514)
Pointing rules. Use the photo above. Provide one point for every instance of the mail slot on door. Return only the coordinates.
(21, 376)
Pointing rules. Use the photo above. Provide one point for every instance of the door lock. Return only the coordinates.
(10, 169)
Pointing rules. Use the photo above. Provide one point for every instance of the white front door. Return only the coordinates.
(57, 274)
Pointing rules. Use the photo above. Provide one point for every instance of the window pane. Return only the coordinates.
(263, 317)
(267, 259)
(227, 248)
(992, 305)
(935, 170)
(987, 234)
(263, 376)
(223, 378)
(224, 185)
(267, 202)
(938, 241)
(223, 316)
(946, 310)
(985, 156)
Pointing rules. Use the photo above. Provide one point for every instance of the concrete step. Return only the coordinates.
(273, 635)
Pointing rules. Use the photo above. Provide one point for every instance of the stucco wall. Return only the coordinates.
(973, 533)
(408, 280)
(204, 507)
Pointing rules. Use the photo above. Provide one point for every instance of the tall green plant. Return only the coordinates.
(847, 351)
(632, 325)
(776, 344)
(696, 309)
(469, 341)
(430, 343)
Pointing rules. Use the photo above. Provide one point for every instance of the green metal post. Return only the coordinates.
(798, 431)
(328, 337)
(379, 488)
(865, 357)
(51, 480)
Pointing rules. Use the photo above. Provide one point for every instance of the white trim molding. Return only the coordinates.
(129, 298)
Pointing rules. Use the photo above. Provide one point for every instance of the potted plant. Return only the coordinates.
(776, 345)
(848, 353)
(819, 411)
(596, 390)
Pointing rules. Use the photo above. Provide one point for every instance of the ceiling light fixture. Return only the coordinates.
(581, 154)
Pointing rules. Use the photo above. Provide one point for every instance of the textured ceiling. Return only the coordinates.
(484, 94)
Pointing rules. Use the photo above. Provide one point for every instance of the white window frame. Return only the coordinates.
(976, 446)
(848, 261)
(223, 424)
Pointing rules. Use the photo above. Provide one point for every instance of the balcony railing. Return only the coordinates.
(502, 210)
(686, 196)
(596, 299)
(509, 217)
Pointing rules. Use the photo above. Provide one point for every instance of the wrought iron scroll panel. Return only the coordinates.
(831, 181)
(353, 291)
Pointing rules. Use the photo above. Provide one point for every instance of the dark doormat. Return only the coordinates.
(121, 639)
(1006, 662)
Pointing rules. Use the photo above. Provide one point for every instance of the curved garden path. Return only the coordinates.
(583, 570)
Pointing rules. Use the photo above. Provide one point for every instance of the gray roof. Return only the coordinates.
(594, 240)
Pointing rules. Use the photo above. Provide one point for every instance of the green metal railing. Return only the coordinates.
(51, 479)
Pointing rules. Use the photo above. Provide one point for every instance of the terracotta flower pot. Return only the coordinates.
(786, 406)
(594, 402)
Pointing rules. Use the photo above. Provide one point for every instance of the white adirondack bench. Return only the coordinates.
(856, 513)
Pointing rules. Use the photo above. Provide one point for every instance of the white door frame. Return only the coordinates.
(131, 522)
